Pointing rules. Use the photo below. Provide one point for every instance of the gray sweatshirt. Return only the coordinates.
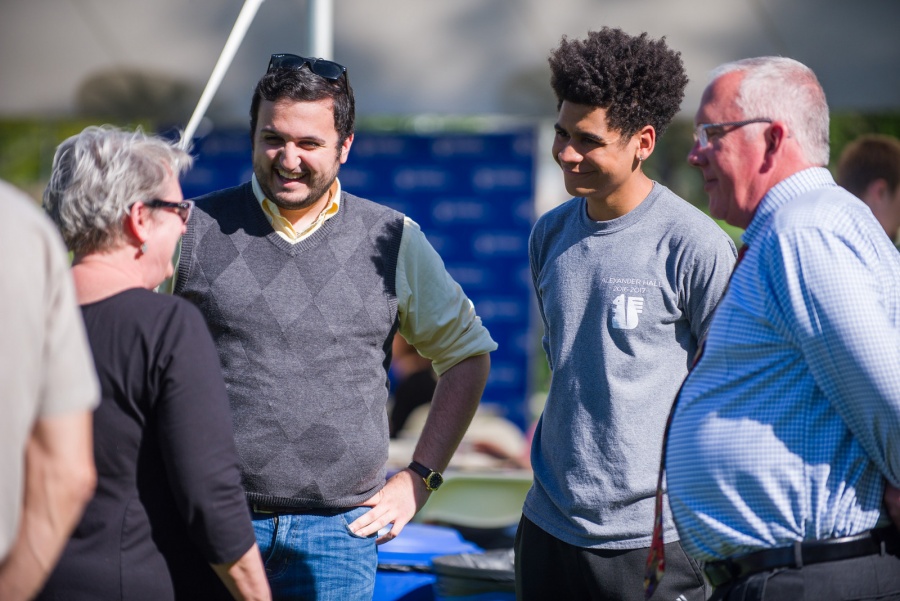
(624, 304)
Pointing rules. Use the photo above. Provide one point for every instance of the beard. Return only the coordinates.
(316, 188)
(317, 185)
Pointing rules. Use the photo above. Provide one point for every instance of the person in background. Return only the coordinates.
(48, 389)
(627, 275)
(168, 503)
(415, 383)
(869, 168)
(786, 429)
(304, 286)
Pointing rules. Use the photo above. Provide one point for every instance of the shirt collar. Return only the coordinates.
(782, 192)
(284, 227)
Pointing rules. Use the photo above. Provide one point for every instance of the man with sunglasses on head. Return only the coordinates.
(786, 431)
(304, 287)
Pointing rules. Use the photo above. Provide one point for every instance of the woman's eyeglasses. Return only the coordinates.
(182, 207)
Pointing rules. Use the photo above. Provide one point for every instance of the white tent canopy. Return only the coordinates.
(465, 57)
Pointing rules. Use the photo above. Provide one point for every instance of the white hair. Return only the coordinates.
(776, 87)
(98, 174)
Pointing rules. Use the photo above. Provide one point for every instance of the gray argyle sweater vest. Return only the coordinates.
(304, 334)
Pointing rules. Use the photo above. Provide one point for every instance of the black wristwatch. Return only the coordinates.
(433, 479)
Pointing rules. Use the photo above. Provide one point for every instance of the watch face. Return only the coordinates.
(434, 481)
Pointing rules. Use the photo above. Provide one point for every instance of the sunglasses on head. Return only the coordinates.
(182, 207)
(321, 67)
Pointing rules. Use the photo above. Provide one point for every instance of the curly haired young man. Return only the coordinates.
(627, 275)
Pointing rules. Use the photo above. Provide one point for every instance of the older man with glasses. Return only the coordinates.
(785, 432)
(304, 287)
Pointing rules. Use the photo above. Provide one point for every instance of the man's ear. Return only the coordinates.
(345, 148)
(775, 136)
(877, 191)
(646, 142)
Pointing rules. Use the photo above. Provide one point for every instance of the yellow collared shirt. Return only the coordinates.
(285, 228)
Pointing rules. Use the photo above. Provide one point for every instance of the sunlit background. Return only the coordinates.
(424, 72)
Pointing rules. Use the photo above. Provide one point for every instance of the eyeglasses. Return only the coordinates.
(182, 207)
(321, 67)
(702, 132)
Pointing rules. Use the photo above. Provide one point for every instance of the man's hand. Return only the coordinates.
(455, 401)
(892, 500)
(397, 503)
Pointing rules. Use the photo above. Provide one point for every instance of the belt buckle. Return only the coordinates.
(259, 509)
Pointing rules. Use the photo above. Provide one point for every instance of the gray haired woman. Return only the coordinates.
(169, 503)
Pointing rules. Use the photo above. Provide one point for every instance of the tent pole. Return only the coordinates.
(245, 18)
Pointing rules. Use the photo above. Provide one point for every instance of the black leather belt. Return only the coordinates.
(262, 508)
(257, 508)
(880, 541)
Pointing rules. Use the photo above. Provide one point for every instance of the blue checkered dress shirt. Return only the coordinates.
(790, 423)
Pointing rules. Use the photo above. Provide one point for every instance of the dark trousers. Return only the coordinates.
(870, 578)
(547, 568)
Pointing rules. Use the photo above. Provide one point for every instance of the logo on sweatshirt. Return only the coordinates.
(626, 310)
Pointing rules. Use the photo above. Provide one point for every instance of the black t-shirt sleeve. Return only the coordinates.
(196, 438)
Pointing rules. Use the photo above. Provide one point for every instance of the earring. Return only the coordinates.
(144, 248)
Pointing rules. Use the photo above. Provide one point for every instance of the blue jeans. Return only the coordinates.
(314, 556)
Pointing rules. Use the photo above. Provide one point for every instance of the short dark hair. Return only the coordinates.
(868, 158)
(637, 80)
(302, 85)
